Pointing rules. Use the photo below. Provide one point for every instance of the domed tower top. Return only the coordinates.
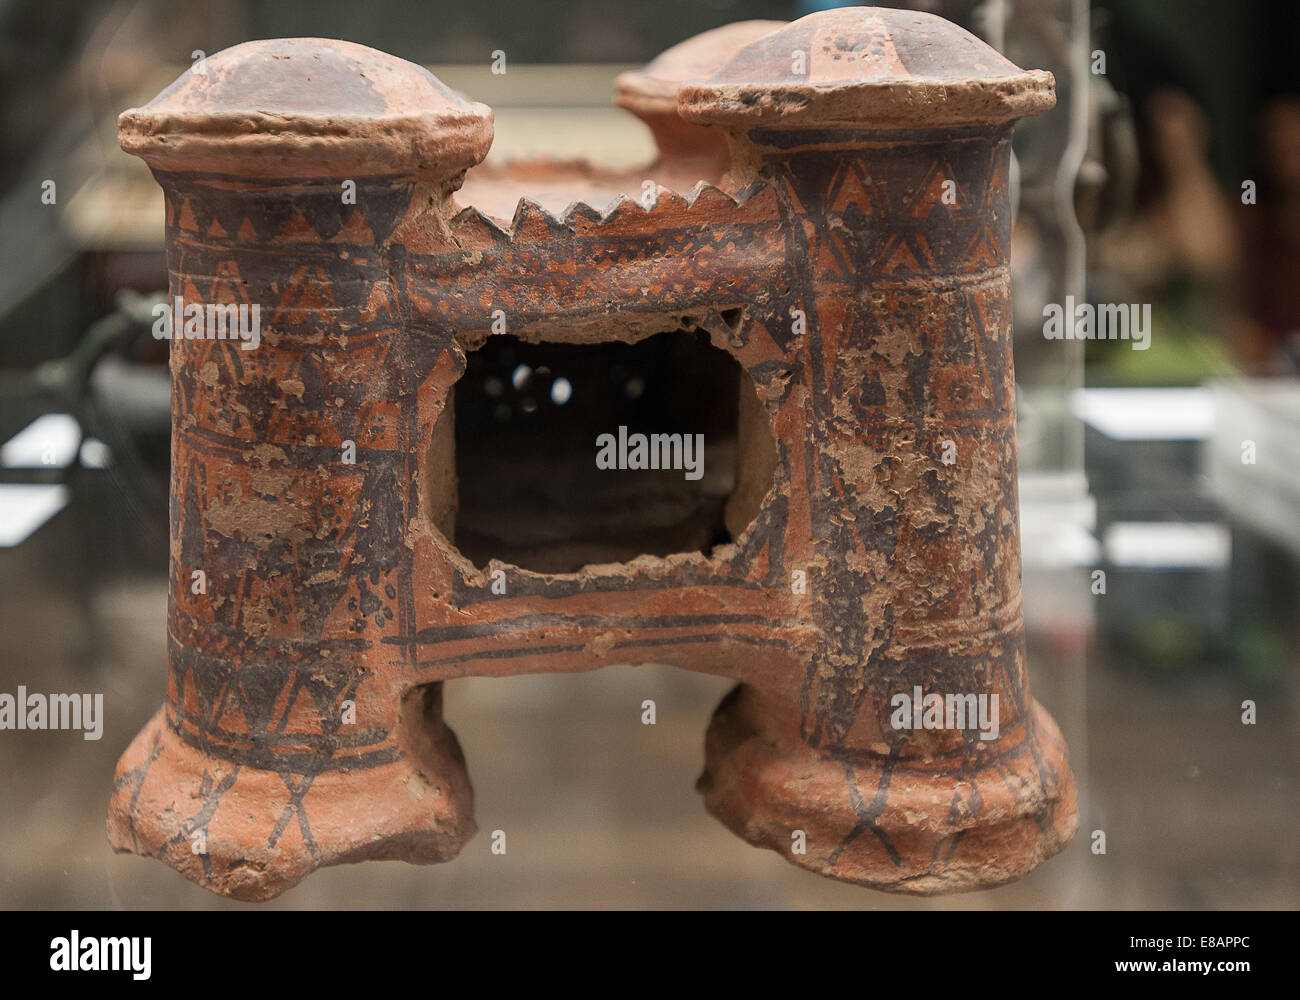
(653, 88)
(308, 108)
(866, 67)
(650, 93)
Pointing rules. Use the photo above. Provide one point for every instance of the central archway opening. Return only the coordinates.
(571, 454)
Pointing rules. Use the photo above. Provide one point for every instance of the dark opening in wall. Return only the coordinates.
(534, 485)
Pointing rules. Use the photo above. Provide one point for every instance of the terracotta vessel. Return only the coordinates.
(847, 245)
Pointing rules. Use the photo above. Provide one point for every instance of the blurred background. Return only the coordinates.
(1168, 175)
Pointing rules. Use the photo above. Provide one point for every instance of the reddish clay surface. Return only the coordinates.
(329, 584)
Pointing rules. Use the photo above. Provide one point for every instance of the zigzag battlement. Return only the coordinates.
(704, 204)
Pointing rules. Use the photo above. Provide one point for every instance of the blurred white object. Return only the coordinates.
(24, 507)
(1168, 545)
(1057, 520)
(1252, 459)
(1182, 414)
(49, 442)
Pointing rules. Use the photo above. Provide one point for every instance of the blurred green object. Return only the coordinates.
(1186, 347)
(1177, 356)
(1169, 645)
(1259, 652)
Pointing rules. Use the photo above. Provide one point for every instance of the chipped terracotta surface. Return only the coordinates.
(335, 587)
(871, 67)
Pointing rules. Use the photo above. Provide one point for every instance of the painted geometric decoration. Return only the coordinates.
(847, 246)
